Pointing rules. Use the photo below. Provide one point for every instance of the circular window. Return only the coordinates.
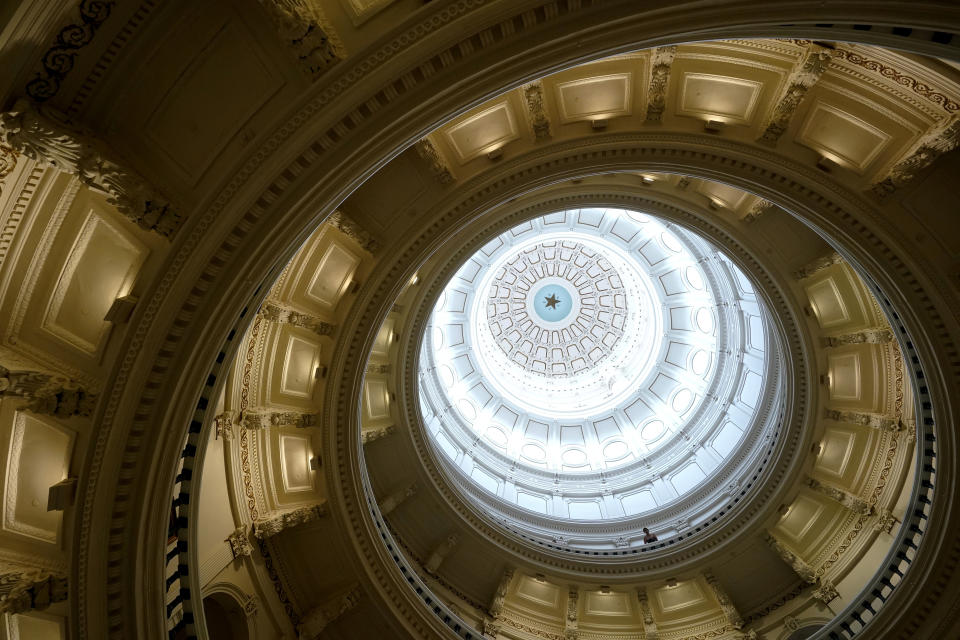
(598, 365)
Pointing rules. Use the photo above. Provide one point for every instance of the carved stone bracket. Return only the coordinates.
(261, 419)
(223, 424)
(239, 542)
(660, 64)
(438, 166)
(868, 336)
(873, 420)
(848, 500)
(46, 136)
(382, 369)
(276, 313)
(818, 265)
(649, 626)
(373, 435)
(804, 76)
(826, 592)
(571, 625)
(885, 521)
(317, 619)
(47, 394)
(354, 231)
(930, 147)
(28, 589)
(270, 527)
(396, 498)
(490, 628)
(304, 29)
(759, 208)
(536, 112)
(8, 161)
(799, 567)
(726, 604)
(440, 553)
(500, 596)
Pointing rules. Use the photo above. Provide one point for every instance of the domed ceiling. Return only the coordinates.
(598, 364)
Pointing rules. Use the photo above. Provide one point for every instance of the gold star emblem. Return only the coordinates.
(552, 301)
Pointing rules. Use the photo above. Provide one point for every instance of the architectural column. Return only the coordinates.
(304, 29)
(928, 148)
(799, 567)
(867, 336)
(650, 631)
(376, 434)
(284, 315)
(47, 394)
(536, 112)
(873, 420)
(660, 62)
(23, 589)
(354, 231)
(571, 624)
(269, 527)
(726, 604)
(396, 498)
(817, 265)
(804, 75)
(848, 500)
(440, 553)
(46, 136)
(314, 621)
(263, 418)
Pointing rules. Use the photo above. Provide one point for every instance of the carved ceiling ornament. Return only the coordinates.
(301, 24)
(660, 63)
(536, 111)
(58, 60)
(438, 165)
(47, 394)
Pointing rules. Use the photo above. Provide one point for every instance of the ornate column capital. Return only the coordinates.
(261, 419)
(47, 136)
(239, 542)
(799, 567)
(30, 588)
(269, 527)
(660, 62)
(47, 394)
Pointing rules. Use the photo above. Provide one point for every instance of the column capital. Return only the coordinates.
(269, 527)
(48, 136)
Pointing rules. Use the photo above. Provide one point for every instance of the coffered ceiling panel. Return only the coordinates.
(842, 136)
(844, 372)
(39, 457)
(839, 301)
(810, 522)
(362, 10)
(101, 267)
(714, 97)
(295, 454)
(332, 277)
(296, 356)
(845, 452)
(236, 80)
(670, 600)
(376, 396)
(36, 625)
(595, 98)
(482, 132)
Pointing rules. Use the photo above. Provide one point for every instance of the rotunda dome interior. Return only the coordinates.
(400, 319)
